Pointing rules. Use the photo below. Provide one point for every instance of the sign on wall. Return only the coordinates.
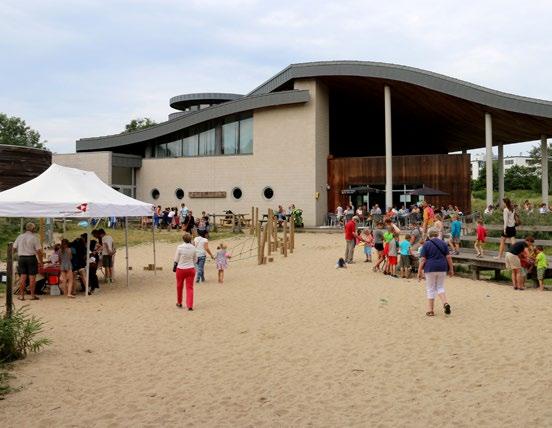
(204, 195)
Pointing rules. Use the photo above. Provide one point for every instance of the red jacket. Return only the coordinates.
(350, 229)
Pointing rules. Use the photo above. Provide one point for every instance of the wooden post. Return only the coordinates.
(264, 241)
(269, 231)
(42, 235)
(256, 215)
(274, 231)
(285, 239)
(291, 236)
(9, 280)
(259, 240)
(252, 220)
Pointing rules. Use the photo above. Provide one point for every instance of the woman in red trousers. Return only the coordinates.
(184, 262)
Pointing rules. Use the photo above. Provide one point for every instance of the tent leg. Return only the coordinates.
(154, 255)
(88, 234)
(126, 248)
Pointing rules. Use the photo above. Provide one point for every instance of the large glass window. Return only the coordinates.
(234, 137)
(246, 136)
(189, 146)
(207, 143)
(174, 149)
(230, 135)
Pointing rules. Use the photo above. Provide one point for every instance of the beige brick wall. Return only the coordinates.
(290, 148)
(99, 162)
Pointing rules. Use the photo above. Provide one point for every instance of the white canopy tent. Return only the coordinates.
(62, 192)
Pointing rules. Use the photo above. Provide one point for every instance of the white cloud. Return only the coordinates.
(85, 68)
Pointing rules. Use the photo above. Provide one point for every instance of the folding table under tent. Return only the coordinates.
(62, 192)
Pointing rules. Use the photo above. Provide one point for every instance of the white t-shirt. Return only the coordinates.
(509, 219)
(185, 256)
(27, 244)
(171, 214)
(107, 242)
(199, 243)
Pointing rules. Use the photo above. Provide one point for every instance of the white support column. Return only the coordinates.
(500, 173)
(388, 150)
(489, 156)
(544, 164)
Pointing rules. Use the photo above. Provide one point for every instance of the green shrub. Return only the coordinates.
(18, 335)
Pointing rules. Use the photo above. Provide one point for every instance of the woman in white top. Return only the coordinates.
(184, 262)
(202, 246)
(509, 227)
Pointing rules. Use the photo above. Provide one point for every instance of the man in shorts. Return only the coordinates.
(29, 253)
(513, 261)
(108, 250)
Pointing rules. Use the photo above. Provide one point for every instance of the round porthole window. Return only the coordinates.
(179, 193)
(268, 193)
(155, 194)
(237, 193)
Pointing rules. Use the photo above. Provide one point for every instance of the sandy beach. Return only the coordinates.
(292, 343)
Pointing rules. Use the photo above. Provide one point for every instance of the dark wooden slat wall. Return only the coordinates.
(21, 164)
(449, 173)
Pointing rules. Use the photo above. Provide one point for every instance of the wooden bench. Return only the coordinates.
(495, 240)
(489, 263)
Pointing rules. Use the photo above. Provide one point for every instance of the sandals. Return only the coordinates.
(447, 308)
(430, 314)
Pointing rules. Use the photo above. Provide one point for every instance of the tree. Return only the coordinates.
(535, 164)
(481, 182)
(15, 132)
(140, 123)
(520, 178)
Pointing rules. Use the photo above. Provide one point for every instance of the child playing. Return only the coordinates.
(542, 264)
(392, 255)
(438, 224)
(481, 237)
(455, 230)
(405, 250)
(367, 238)
(221, 260)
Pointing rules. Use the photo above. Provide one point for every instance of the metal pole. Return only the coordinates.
(388, 150)
(154, 255)
(489, 153)
(544, 164)
(88, 235)
(9, 281)
(126, 247)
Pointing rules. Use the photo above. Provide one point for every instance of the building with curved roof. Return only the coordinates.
(316, 129)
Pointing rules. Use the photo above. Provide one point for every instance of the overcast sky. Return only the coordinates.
(76, 69)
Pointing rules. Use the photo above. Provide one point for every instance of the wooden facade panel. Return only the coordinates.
(21, 164)
(449, 173)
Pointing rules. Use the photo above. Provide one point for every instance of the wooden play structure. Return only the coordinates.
(273, 235)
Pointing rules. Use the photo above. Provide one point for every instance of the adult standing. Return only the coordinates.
(435, 261)
(202, 246)
(509, 226)
(350, 238)
(108, 251)
(428, 216)
(184, 261)
(29, 252)
(189, 223)
(513, 260)
(183, 213)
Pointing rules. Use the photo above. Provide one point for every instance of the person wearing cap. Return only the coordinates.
(29, 252)
(350, 238)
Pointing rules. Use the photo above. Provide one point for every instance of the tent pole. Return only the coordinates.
(154, 255)
(88, 234)
(126, 247)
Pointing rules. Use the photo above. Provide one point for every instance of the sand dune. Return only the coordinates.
(293, 343)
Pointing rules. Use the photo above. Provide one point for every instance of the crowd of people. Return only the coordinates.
(69, 258)
(423, 247)
(402, 216)
(173, 218)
